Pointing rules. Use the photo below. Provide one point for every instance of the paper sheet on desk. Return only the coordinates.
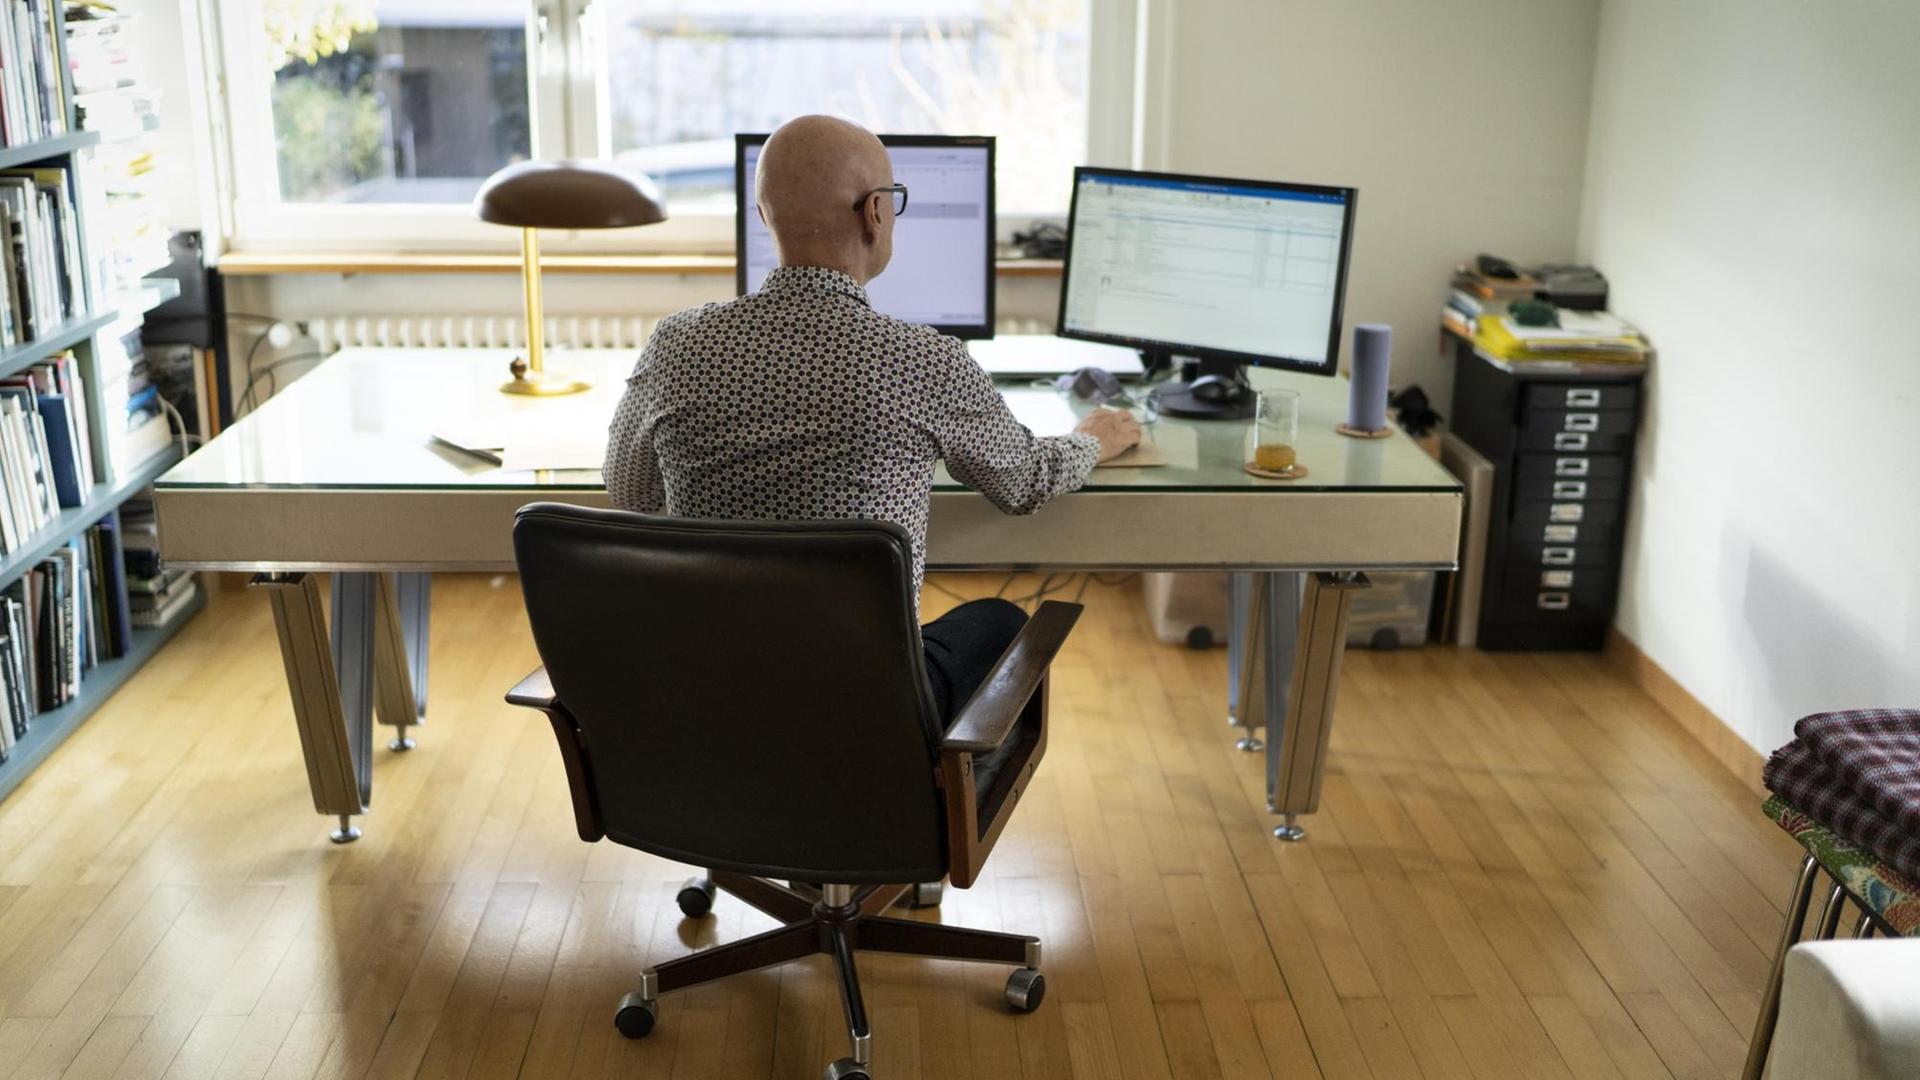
(1051, 415)
(554, 454)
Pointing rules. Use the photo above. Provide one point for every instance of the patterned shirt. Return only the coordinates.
(800, 403)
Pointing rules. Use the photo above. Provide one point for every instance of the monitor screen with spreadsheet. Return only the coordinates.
(1246, 271)
(942, 269)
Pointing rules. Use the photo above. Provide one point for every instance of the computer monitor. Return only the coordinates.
(1224, 272)
(942, 269)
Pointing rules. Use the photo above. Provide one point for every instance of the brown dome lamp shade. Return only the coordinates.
(535, 195)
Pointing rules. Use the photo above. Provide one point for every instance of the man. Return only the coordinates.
(800, 402)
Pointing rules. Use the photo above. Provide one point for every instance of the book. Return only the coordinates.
(1471, 281)
(163, 614)
(33, 62)
(19, 650)
(115, 587)
(64, 450)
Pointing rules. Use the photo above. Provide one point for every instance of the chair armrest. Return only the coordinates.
(535, 691)
(989, 716)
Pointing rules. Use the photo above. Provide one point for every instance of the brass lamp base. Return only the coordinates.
(541, 383)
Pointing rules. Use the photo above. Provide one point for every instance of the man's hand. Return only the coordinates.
(1116, 429)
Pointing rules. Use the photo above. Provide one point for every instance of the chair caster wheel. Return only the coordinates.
(1026, 989)
(636, 1016)
(847, 1069)
(926, 894)
(695, 898)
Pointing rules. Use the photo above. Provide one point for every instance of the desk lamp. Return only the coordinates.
(535, 195)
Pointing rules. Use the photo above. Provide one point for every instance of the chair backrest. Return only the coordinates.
(751, 695)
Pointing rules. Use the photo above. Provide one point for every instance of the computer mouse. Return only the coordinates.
(1217, 389)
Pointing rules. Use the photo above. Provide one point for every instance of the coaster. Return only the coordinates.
(1292, 472)
(1356, 433)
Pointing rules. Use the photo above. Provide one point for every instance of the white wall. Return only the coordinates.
(1753, 193)
(1463, 123)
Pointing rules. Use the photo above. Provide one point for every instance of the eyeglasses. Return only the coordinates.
(899, 199)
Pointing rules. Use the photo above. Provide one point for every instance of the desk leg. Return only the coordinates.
(400, 654)
(1268, 611)
(330, 678)
(1239, 595)
(1297, 737)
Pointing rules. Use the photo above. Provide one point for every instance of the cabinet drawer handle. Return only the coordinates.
(1583, 397)
(1569, 440)
(1572, 466)
(1569, 489)
(1556, 579)
(1583, 421)
(1555, 601)
(1556, 556)
(1566, 512)
(1561, 534)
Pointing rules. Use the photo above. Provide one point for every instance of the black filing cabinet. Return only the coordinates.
(1561, 442)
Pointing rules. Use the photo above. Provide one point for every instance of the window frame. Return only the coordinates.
(567, 109)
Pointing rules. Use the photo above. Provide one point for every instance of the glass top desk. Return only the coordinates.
(341, 473)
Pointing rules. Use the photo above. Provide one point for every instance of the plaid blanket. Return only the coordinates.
(1857, 773)
(1877, 751)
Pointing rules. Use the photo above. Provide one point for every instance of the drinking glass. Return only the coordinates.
(1276, 428)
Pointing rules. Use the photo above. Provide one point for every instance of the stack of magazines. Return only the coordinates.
(1586, 337)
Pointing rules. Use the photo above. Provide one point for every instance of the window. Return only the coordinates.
(681, 76)
(396, 101)
(371, 123)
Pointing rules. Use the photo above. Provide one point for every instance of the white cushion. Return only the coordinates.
(1849, 1010)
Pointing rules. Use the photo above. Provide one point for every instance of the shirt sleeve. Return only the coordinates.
(988, 450)
(631, 469)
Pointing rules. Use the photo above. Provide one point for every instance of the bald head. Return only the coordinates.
(811, 175)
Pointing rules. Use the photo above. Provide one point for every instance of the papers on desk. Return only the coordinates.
(555, 454)
(1044, 354)
(481, 444)
(558, 450)
(1051, 414)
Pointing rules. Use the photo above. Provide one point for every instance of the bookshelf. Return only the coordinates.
(51, 728)
(13, 157)
(65, 336)
(103, 500)
(87, 311)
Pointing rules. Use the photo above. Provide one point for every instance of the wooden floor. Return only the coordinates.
(1522, 869)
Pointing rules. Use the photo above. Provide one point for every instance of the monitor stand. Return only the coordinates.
(1221, 377)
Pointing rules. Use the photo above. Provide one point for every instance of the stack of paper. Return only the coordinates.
(1586, 336)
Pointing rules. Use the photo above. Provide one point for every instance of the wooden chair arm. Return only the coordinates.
(535, 691)
(1011, 706)
(990, 714)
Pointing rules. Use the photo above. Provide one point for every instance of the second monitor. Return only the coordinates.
(942, 269)
(1223, 272)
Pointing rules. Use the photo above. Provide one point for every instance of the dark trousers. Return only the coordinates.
(961, 647)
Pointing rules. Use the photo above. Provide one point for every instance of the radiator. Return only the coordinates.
(331, 332)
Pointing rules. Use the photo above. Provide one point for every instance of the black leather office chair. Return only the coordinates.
(750, 697)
